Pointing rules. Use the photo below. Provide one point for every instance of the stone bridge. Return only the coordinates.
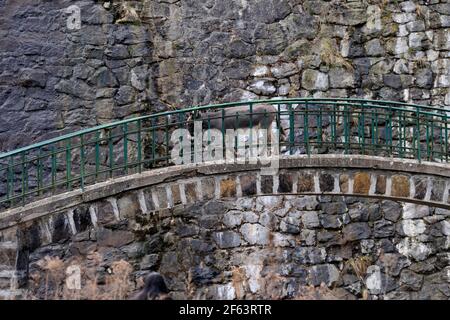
(365, 226)
(359, 203)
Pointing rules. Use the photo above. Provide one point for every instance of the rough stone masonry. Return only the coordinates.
(241, 235)
(136, 57)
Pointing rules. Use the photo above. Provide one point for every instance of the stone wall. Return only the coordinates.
(136, 57)
(244, 235)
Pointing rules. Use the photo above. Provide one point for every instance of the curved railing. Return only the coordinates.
(310, 126)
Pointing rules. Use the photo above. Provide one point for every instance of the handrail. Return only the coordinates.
(214, 106)
(315, 125)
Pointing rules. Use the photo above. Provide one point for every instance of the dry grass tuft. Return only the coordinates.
(360, 265)
(331, 57)
(52, 281)
(238, 280)
(419, 11)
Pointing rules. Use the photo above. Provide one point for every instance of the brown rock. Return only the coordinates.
(361, 183)
(305, 183)
(380, 186)
(176, 197)
(400, 186)
(190, 191)
(267, 184)
(343, 183)
(248, 184)
(285, 183)
(208, 188)
(228, 187)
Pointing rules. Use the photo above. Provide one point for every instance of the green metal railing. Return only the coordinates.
(311, 126)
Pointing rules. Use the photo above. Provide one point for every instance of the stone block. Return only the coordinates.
(420, 185)
(82, 218)
(105, 213)
(414, 211)
(267, 184)
(176, 196)
(326, 182)
(356, 231)
(393, 263)
(161, 195)
(437, 191)
(343, 182)
(208, 188)
(305, 183)
(190, 190)
(309, 255)
(315, 80)
(255, 234)
(380, 186)
(129, 206)
(248, 184)
(60, 227)
(383, 229)
(149, 199)
(113, 238)
(232, 219)
(361, 183)
(310, 219)
(400, 186)
(329, 221)
(285, 182)
(228, 187)
(324, 273)
(391, 210)
(334, 207)
(227, 239)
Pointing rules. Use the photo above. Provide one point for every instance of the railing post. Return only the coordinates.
(390, 146)
(167, 139)
(291, 129)
(54, 162)
(39, 172)
(224, 150)
(82, 161)
(362, 123)
(97, 154)
(446, 136)
(319, 125)
(125, 146)
(24, 177)
(418, 133)
(346, 130)
(333, 124)
(68, 165)
(10, 182)
(306, 129)
(139, 145)
(153, 142)
(251, 131)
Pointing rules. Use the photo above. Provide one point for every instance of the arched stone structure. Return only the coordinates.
(304, 225)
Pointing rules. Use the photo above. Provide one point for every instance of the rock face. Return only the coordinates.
(61, 71)
(132, 58)
(228, 249)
